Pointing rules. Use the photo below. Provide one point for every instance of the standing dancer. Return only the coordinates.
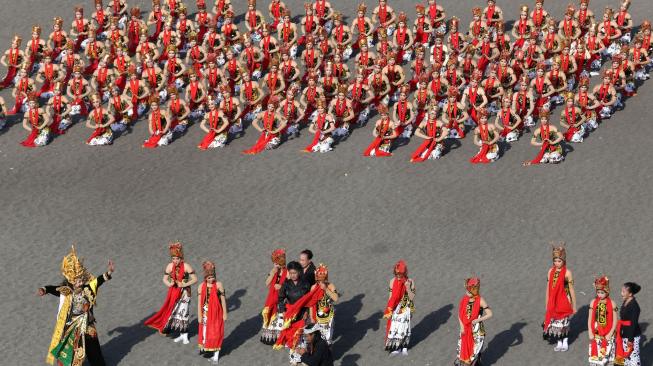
(272, 320)
(75, 337)
(601, 324)
(211, 312)
(173, 315)
(560, 300)
(399, 310)
(628, 330)
(472, 312)
(324, 310)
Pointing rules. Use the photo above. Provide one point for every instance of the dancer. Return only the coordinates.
(322, 127)
(99, 119)
(324, 310)
(508, 121)
(384, 133)
(473, 311)
(211, 313)
(573, 119)
(560, 300)
(173, 316)
(216, 126)
(270, 124)
(485, 136)
(75, 337)
(434, 133)
(36, 121)
(628, 332)
(548, 138)
(159, 125)
(399, 310)
(601, 324)
(272, 319)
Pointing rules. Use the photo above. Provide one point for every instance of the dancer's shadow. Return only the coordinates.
(349, 330)
(118, 347)
(502, 342)
(430, 324)
(567, 148)
(240, 334)
(646, 345)
(452, 144)
(233, 300)
(578, 324)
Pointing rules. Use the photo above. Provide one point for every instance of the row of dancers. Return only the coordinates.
(300, 307)
(115, 68)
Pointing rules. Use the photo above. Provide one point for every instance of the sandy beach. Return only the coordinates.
(448, 219)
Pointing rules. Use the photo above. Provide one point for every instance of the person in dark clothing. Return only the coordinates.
(292, 290)
(628, 330)
(317, 352)
(308, 268)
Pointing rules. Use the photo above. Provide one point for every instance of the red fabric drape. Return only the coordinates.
(467, 338)
(397, 293)
(158, 321)
(292, 329)
(214, 324)
(598, 329)
(271, 301)
(558, 305)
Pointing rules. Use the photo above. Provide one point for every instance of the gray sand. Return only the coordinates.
(448, 219)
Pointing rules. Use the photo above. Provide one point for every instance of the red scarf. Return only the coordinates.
(605, 314)
(466, 316)
(271, 301)
(558, 305)
(156, 121)
(158, 321)
(398, 285)
(214, 324)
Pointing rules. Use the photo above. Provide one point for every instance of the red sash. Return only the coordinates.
(214, 324)
(271, 301)
(558, 305)
(158, 321)
(598, 329)
(467, 338)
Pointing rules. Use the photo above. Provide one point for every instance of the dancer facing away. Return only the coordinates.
(601, 324)
(560, 300)
(211, 312)
(75, 337)
(472, 312)
(399, 310)
(272, 320)
(628, 331)
(173, 315)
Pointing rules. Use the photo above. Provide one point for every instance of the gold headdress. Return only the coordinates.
(176, 248)
(602, 284)
(209, 269)
(72, 267)
(559, 251)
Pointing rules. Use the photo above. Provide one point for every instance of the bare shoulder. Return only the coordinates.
(188, 268)
(169, 268)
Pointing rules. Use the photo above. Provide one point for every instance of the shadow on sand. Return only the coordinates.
(502, 342)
